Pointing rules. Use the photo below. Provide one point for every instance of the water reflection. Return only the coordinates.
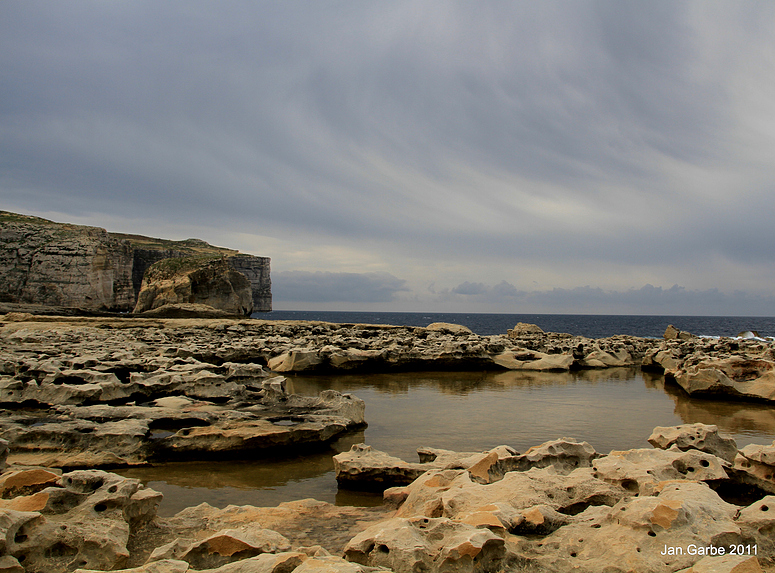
(473, 411)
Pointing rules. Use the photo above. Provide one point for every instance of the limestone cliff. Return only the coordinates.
(48, 263)
(147, 251)
(256, 269)
(57, 264)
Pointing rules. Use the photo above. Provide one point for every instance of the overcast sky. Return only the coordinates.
(571, 157)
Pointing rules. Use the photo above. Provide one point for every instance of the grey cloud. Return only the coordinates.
(303, 286)
(573, 134)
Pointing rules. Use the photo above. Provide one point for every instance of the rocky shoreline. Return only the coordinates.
(559, 507)
(82, 393)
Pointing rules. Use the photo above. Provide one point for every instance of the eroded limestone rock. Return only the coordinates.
(83, 521)
(756, 464)
(698, 436)
(427, 544)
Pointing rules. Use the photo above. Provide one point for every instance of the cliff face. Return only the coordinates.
(63, 265)
(256, 269)
(56, 264)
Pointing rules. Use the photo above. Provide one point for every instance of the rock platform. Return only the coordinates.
(89, 393)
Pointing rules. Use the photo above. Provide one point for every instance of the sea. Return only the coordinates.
(589, 325)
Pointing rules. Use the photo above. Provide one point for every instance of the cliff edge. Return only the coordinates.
(59, 264)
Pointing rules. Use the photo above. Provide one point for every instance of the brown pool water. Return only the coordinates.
(612, 409)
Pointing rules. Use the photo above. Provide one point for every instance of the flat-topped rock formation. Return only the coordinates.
(76, 266)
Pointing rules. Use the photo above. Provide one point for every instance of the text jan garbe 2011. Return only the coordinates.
(693, 549)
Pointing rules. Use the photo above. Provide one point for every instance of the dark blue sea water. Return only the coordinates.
(589, 325)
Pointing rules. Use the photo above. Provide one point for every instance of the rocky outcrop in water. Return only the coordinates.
(563, 507)
(728, 368)
(62, 265)
(107, 392)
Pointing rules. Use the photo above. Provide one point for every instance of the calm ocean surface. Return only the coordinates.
(590, 325)
(615, 408)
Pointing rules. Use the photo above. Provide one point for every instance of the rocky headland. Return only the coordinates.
(49, 264)
(83, 395)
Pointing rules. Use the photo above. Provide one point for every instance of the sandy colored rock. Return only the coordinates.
(698, 436)
(222, 547)
(363, 467)
(449, 328)
(756, 465)
(533, 360)
(640, 471)
(427, 544)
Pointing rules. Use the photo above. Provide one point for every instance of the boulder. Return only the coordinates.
(304, 522)
(694, 437)
(85, 520)
(449, 328)
(198, 280)
(757, 524)
(672, 333)
(755, 465)
(455, 494)
(640, 471)
(366, 468)
(297, 360)
(223, 547)
(738, 376)
(563, 456)
(522, 328)
(427, 544)
(533, 360)
(648, 534)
